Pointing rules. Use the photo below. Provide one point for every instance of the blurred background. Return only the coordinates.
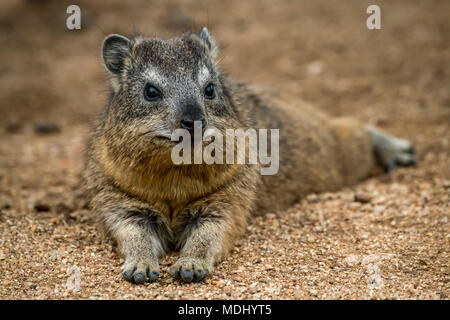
(52, 84)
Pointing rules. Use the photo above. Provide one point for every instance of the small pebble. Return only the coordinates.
(362, 198)
(46, 128)
(41, 207)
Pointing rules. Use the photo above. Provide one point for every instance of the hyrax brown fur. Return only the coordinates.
(148, 205)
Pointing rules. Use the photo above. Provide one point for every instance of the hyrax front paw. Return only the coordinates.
(140, 271)
(190, 269)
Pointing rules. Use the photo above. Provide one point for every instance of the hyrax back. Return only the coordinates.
(149, 205)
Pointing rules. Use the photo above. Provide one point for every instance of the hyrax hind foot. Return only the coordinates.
(391, 151)
(190, 269)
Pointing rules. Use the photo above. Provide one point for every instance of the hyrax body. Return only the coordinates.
(149, 205)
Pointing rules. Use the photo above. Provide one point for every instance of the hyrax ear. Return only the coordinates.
(209, 42)
(114, 51)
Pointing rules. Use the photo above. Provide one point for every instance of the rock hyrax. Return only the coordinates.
(148, 205)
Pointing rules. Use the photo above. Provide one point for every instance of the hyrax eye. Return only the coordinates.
(209, 91)
(151, 93)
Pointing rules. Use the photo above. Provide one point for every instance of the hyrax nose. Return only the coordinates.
(189, 124)
(192, 116)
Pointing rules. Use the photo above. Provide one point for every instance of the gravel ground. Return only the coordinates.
(387, 237)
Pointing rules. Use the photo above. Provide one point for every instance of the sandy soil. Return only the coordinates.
(387, 237)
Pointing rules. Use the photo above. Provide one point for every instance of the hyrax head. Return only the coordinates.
(162, 85)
